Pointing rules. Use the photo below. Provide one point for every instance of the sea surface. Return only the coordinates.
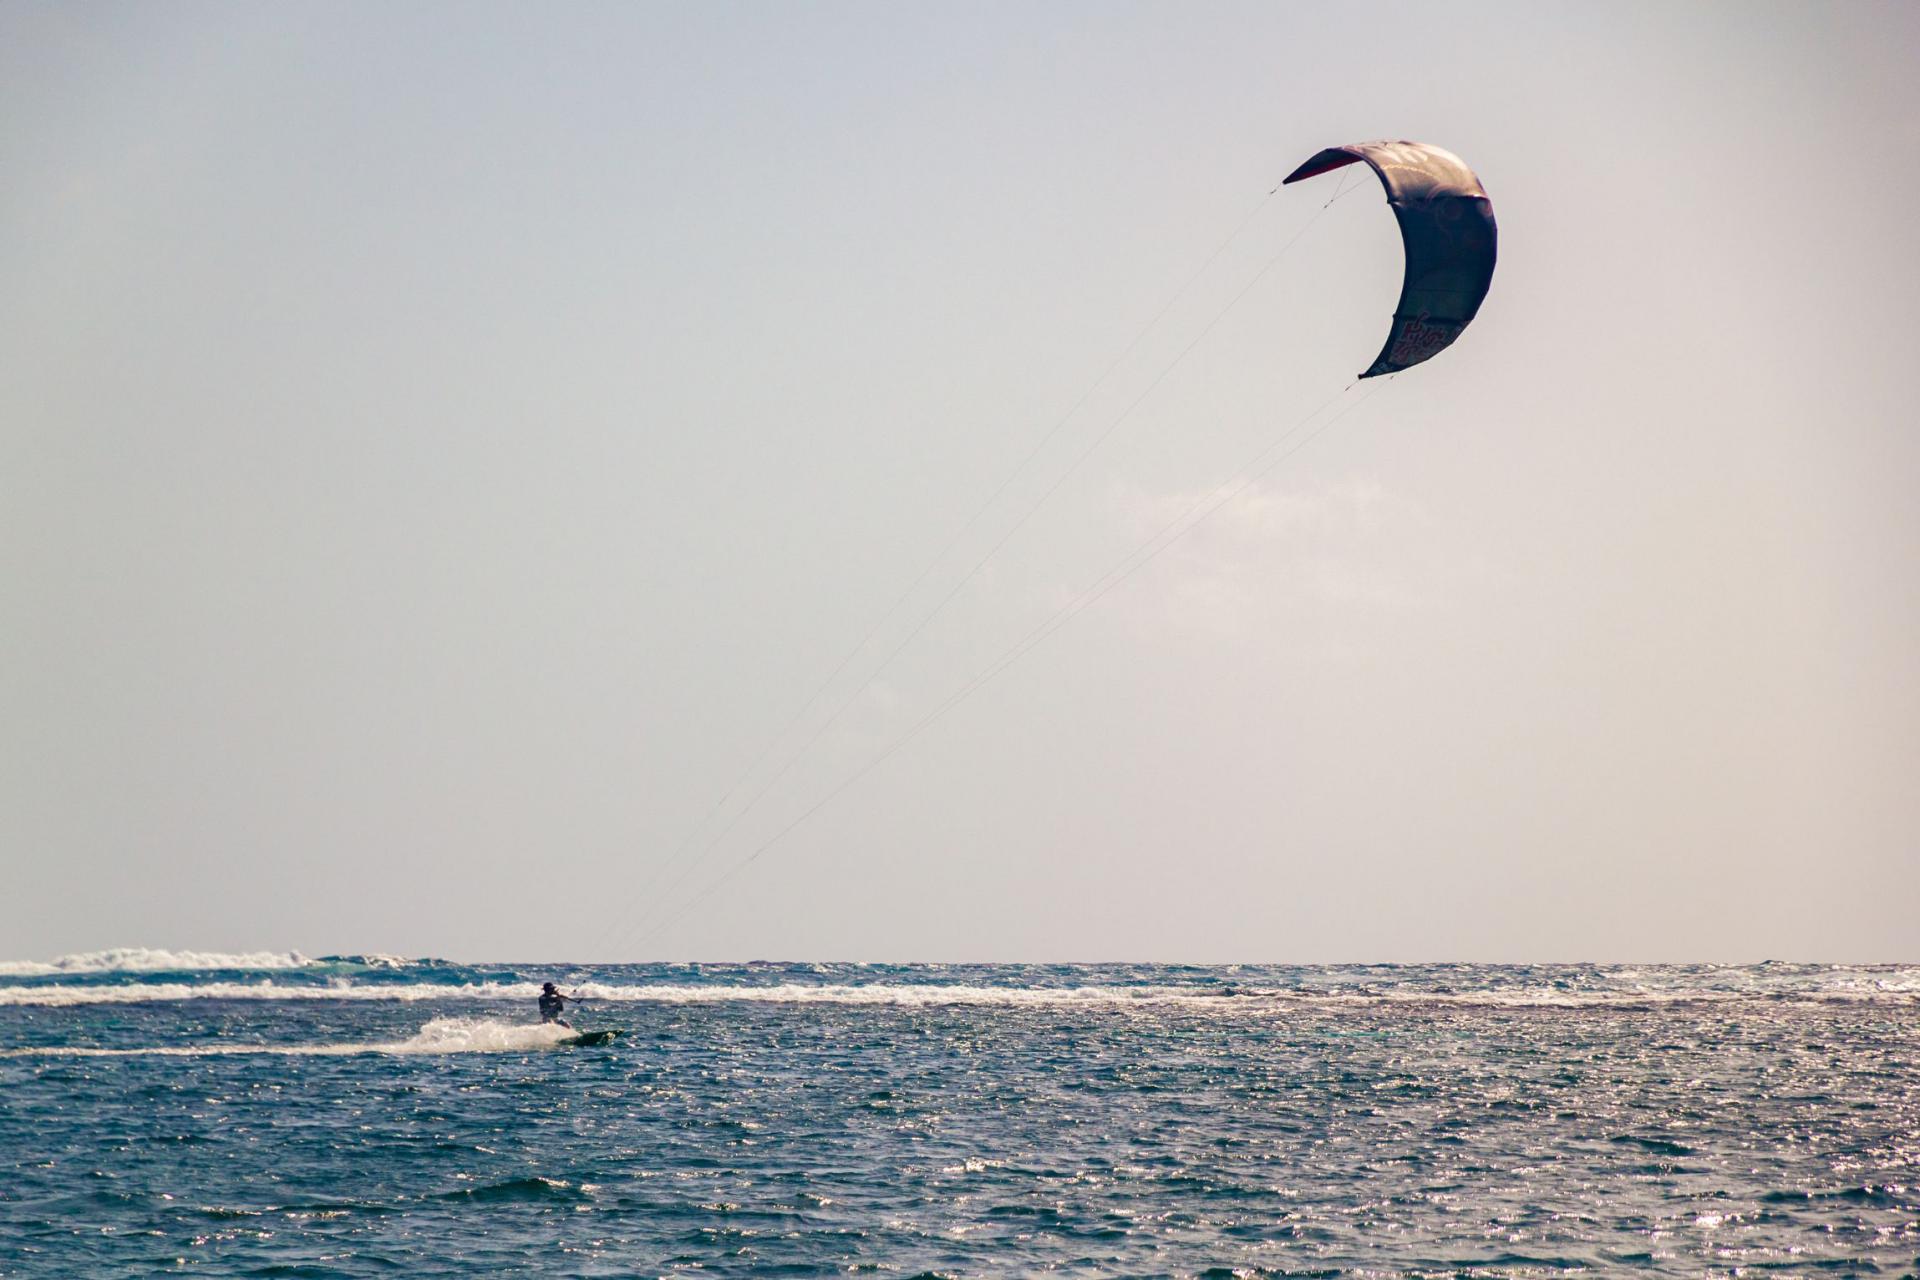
(275, 1115)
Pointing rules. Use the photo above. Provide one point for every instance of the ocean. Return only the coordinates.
(276, 1115)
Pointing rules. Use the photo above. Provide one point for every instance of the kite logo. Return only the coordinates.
(1420, 338)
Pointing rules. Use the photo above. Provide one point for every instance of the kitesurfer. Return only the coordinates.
(553, 1004)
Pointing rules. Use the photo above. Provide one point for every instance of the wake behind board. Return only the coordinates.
(588, 1038)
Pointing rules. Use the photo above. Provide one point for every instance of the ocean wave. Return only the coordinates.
(59, 997)
(934, 995)
(378, 960)
(151, 960)
(784, 993)
(440, 1036)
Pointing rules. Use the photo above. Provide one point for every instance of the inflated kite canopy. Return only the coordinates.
(1446, 223)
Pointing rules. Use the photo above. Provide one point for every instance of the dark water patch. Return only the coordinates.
(521, 1191)
(1879, 1197)
(1659, 1146)
(1663, 1169)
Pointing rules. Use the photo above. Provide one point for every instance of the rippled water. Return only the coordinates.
(271, 1115)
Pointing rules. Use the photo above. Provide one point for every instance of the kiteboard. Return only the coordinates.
(587, 1039)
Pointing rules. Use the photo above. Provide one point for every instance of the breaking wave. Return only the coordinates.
(151, 960)
(441, 1035)
(1904, 990)
(527, 992)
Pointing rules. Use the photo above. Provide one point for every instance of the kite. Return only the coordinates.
(1446, 226)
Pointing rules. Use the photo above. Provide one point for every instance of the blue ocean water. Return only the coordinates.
(271, 1115)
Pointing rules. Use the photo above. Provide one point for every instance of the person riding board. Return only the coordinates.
(553, 1004)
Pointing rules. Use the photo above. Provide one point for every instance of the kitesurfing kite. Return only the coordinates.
(1446, 224)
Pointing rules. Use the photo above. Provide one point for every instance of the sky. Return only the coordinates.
(489, 481)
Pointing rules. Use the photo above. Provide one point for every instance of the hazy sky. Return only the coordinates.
(442, 445)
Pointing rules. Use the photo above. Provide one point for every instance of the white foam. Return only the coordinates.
(150, 960)
(440, 1036)
(379, 960)
(265, 989)
(480, 1035)
(784, 993)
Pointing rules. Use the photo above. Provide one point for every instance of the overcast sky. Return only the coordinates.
(442, 446)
